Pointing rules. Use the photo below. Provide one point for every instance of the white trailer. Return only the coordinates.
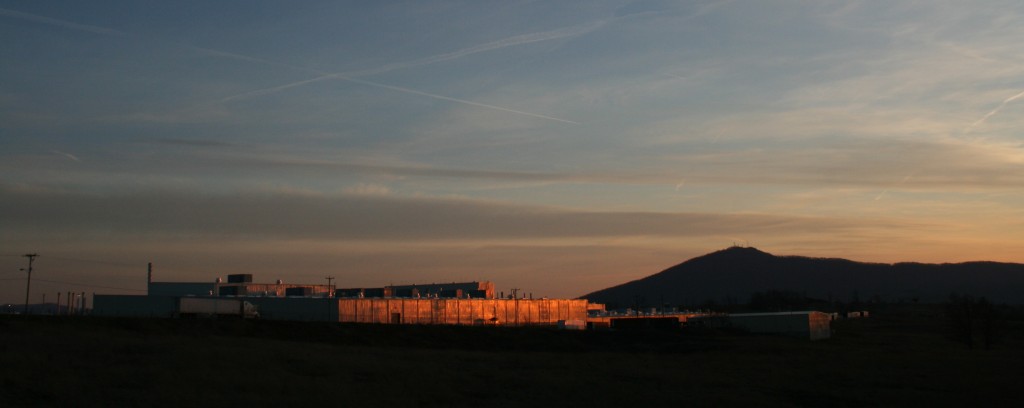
(215, 307)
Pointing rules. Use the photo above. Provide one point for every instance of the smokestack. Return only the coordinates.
(149, 274)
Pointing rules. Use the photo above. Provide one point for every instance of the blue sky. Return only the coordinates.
(560, 147)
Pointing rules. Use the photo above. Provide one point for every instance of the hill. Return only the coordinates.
(734, 274)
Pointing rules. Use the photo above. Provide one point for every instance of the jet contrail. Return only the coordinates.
(996, 110)
(325, 75)
(448, 98)
(68, 155)
(109, 31)
(879, 197)
(60, 23)
(265, 91)
(506, 42)
(494, 45)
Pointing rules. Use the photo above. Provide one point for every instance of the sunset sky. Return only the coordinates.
(559, 147)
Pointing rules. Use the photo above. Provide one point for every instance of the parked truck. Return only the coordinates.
(214, 307)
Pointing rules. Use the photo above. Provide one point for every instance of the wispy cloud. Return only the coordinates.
(406, 170)
(193, 142)
(374, 217)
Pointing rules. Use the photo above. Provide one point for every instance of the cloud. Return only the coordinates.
(367, 217)
(288, 163)
(363, 189)
(192, 142)
(946, 165)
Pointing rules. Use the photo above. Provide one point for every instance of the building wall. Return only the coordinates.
(520, 312)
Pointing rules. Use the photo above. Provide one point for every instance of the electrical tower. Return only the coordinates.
(28, 283)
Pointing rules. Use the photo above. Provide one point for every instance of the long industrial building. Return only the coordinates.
(468, 303)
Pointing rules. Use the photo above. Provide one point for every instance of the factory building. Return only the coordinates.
(468, 303)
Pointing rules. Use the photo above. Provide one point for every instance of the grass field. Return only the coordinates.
(899, 357)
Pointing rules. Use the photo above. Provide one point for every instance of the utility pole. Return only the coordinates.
(28, 283)
(329, 279)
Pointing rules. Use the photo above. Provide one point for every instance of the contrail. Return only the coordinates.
(399, 89)
(506, 42)
(265, 91)
(996, 110)
(494, 45)
(879, 197)
(523, 39)
(448, 98)
(109, 31)
(60, 23)
(68, 155)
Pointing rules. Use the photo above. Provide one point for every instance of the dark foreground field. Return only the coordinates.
(897, 358)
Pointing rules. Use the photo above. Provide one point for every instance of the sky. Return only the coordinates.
(559, 147)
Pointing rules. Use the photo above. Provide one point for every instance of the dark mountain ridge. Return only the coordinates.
(734, 274)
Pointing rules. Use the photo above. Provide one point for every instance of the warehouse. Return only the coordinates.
(468, 303)
(509, 312)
